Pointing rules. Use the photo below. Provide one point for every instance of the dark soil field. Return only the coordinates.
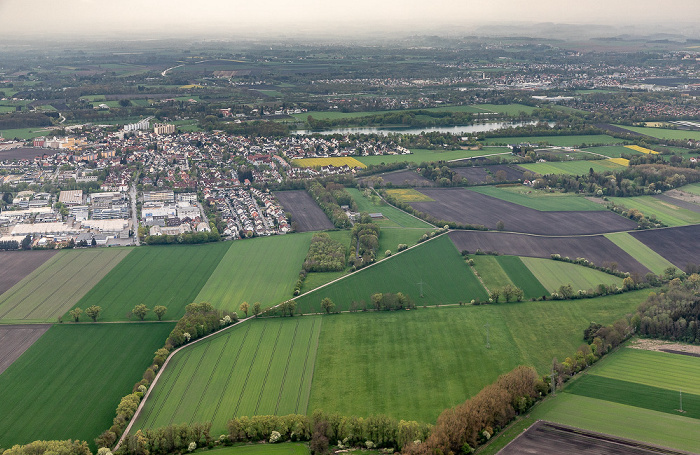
(473, 175)
(679, 202)
(617, 129)
(15, 339)
(596, 249)
(679, 245)
(468, 207)
(546, 438)
(307, 215)
(18, 264)
(513, 172)
(405, 178)
(22, 153)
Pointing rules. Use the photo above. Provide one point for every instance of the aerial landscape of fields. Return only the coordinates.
(270, 230)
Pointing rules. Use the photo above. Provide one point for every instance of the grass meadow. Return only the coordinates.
(539, 200)
(572, 167)
(263, 367)
(169, 275)
(521, 276)
(642, 253)
(667, 213)
(395, 217)
(261, 270)
(663, 133)
(58, 284)
(69, 383)
(553, 274)
(434, 358)
(445, 276)
(563, 141)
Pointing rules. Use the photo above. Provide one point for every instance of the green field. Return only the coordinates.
(634, 394)
(424, 155)
(613, 151)
(563, 141)
(445, 276)
(491, 272)
(263, 449)
(553, 274)
(669, 214)
(169, 275)
(539, 200)
(69, 383)
(572, 167)
(58, 284)
(431, 359)
(261, 270)
(621, 420)
(25, 133)
(642, 253)
(389, 239)
(508, 109)
(693, 188)
(521, 276)
(663, 133)
(395, 217)
(264, 367)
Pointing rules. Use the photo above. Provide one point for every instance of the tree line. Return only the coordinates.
(329, 198)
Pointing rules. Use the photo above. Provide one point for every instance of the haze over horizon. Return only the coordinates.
(132, 19)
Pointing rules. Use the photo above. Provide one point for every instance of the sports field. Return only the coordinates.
(68, 383)
(573, 167)
(539, 200)
(56, 285)
(169, 275)
(563, 141)
(263, 367)
(434, 358)
(261, 270)
(642, 253)
(395, 217)
(667, 213)
(445, 276)
(553, 274)
(336, 161)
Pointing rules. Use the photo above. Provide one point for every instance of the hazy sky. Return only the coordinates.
(138, 18)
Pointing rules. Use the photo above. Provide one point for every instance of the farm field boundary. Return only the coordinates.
(678, 245)
(642, 253)
(21, 264)
(553, 274)
(669, 214)
(15, 339)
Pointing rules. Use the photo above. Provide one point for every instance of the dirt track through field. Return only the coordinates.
(469, 207)
(595, 248)
(15, 339)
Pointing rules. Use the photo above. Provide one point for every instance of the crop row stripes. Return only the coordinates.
(230, 373)
(245, 384)
(213, 371)
(286, 367)
(267, 371)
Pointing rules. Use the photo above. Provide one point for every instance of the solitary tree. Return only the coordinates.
(244, 308)
(256, 308)
(327, 304)
(75, 314)
(500, 225)
(140, 310)
(160, 310)
(93, 311)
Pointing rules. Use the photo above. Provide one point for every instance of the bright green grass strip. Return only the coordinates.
(508, 109)
(539, 200)
(667, 213)
(613, 151)
(564, 141)
(655, 369)
(25, 133)
(572, 167)
(263, 449)
(390, 238)
(399, 217)
(693, 188)
(169, 275)
(431, 359)
(446, 279)
(263, 367)
(263, 269)
(635, 394)
(491, 272)
(424, 155)
(68, 384)
(663, 133)
(621, 420)
(58, 284)
(642, 253)
(553, 274)
(522, 277)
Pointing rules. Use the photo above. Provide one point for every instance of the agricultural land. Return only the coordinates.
(303, 211)
(21, 266)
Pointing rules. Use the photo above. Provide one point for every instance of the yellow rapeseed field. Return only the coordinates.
(641, 149)
(621, 161)
(409, 195)
(336, 161)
